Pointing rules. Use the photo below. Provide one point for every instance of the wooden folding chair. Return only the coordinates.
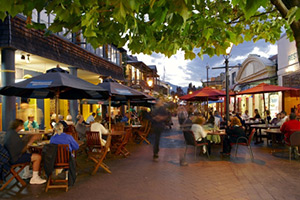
(121, 145)
(144, 134)
(14, 171)
(61, 162)
(70, 128)
(97, 152)
(120, 126)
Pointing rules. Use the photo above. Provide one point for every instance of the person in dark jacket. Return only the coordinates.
(234, 131)
(16, 148)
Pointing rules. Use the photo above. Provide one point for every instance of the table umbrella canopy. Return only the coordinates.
(266, 88)
(121, 92)
(55, 83)
(203, 94)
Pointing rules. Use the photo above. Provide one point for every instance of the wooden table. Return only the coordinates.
(115, 133)
(273, 133)
(248, 125)
(258, 128)
(38, 132)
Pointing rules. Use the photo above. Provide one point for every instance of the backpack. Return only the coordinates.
(4, 162)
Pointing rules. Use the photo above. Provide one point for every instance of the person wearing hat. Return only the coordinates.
(30, 123)
(234, 131)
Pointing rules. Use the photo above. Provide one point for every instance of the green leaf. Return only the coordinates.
(90, 33)
(291, 15)
(252, 6)
(298, 14)
(189, 55)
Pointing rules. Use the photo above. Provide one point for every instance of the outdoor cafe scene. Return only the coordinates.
(149, 100)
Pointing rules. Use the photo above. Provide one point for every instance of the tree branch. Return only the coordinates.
(234, 21)
(280, 7)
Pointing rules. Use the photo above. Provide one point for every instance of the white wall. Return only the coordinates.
(287, 56)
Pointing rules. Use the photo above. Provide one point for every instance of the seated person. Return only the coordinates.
(118, 117)
(289, 127)
(241, 120)
(30, 123)
(69, 120)
(199, 132)
(61, 120)
(126, 118)
(91, 118)
(218, 118)
(98, 127)
(276, 119)
(81, 127)
(256, 115)
(268, 117)
(17, 147)
(211, 121)
(246, 116)
(60, 137)
(283, 119)
(234, 131)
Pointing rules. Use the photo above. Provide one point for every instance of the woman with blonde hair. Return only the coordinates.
(234, 131)
(199, 132)
(60, 137)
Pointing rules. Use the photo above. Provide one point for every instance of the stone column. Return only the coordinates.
(8, 77)
(73, 103)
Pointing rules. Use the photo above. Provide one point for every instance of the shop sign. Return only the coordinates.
(291, 80)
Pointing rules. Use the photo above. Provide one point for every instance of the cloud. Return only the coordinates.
(181, 72)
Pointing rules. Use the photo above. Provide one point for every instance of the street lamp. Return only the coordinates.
(227, 56)
(150, 83)
(207, 68)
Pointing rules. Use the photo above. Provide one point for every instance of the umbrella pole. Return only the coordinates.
(128, 104)
(109, 114)
(56, 106)
(264, 103)
(207, 107)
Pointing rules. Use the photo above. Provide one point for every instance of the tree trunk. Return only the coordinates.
(283, 7)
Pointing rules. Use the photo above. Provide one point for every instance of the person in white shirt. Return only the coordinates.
(199, 132)
(245, 116)
(96, 126)
(91, 118)
(283, 119)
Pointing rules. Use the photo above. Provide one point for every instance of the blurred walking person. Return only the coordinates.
(159, 117)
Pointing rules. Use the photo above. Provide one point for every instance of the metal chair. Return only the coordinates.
(190, 140)
(246, 143)
(295, 141)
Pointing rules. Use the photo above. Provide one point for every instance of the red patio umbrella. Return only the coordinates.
(203, 94)
(266, 88)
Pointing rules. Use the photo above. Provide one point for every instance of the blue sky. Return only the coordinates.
(182, 72)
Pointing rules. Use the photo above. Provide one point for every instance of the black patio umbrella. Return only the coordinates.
(119, 92)
(55, 83)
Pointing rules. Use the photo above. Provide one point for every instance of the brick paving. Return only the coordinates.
(270, 176)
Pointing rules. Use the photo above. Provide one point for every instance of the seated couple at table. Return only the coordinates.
(234, 131)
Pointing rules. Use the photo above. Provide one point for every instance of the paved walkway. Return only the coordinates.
(270, 176)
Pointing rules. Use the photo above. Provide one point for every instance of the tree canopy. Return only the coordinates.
(166, 26)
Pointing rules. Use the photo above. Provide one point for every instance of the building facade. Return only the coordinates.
(288, 72)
